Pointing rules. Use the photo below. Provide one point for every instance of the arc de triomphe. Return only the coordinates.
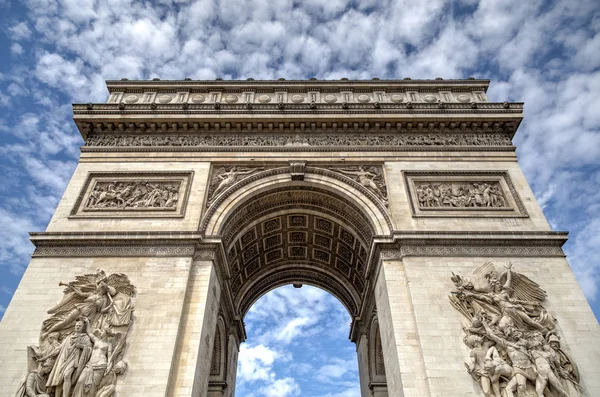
(402, 198)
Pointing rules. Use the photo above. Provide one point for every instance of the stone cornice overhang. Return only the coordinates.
(395, 242)
(192, 117)
(282, 84)
(494, 244)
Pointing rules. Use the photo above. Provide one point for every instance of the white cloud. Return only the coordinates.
(281, 388)
(256, 363)
(16, 49)
(349, 392)
(20, 31)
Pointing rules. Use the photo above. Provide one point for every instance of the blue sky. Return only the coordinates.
(547, 54)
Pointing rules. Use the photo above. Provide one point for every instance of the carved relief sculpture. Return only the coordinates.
(463, 193)
(457, 194)
(369, 177)
(224, 142)
(515, 348)
(225, 177)
(82, 343)
(134, 194)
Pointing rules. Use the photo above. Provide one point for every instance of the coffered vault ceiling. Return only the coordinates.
(288, 235)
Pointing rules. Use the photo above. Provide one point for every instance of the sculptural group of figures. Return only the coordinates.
(135, 194)
(514, 347)
(82, 343)
(448, 194)
(318, 139)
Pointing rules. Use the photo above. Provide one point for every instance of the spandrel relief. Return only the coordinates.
(82, 343)
(370, 177)
(225, 177)
(514, 346)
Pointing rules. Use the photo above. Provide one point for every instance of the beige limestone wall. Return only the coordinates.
(363, 365)
(232, 364)
(161, 288)
(191, 364)
(404, 365)
(438, 325)
(189, 222)
(400, 205)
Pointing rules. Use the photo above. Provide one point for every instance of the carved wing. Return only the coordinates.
(247, 170)
(86, 283)
(376, 171)
(121, 283)
(215, 179)
(524, 288)
(481, 276)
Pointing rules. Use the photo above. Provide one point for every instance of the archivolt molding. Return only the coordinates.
(364, 197)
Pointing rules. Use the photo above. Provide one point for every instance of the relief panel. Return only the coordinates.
(144, 195)
(463, 194)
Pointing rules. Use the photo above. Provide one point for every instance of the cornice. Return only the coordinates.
(496, 244)
(465, 121)
(115, 85)
(93, 109)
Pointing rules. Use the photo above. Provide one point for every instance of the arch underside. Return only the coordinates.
(302, 235)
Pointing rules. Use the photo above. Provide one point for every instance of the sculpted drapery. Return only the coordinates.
(83, 341)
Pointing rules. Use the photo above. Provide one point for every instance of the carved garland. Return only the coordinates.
(83, 340)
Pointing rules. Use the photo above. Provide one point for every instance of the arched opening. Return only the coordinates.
(297, 345)
(275, 232)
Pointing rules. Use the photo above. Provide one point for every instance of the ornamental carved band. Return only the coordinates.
(226, 141)
(514, 346)
(83, 341)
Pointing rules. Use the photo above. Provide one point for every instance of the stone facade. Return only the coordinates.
(208, 194)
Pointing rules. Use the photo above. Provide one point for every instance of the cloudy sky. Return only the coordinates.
(56, 52)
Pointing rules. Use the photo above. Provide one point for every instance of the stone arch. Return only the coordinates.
(290, 233)
(276, 230)
(218, 367)
(315, 177)
(377, 375)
